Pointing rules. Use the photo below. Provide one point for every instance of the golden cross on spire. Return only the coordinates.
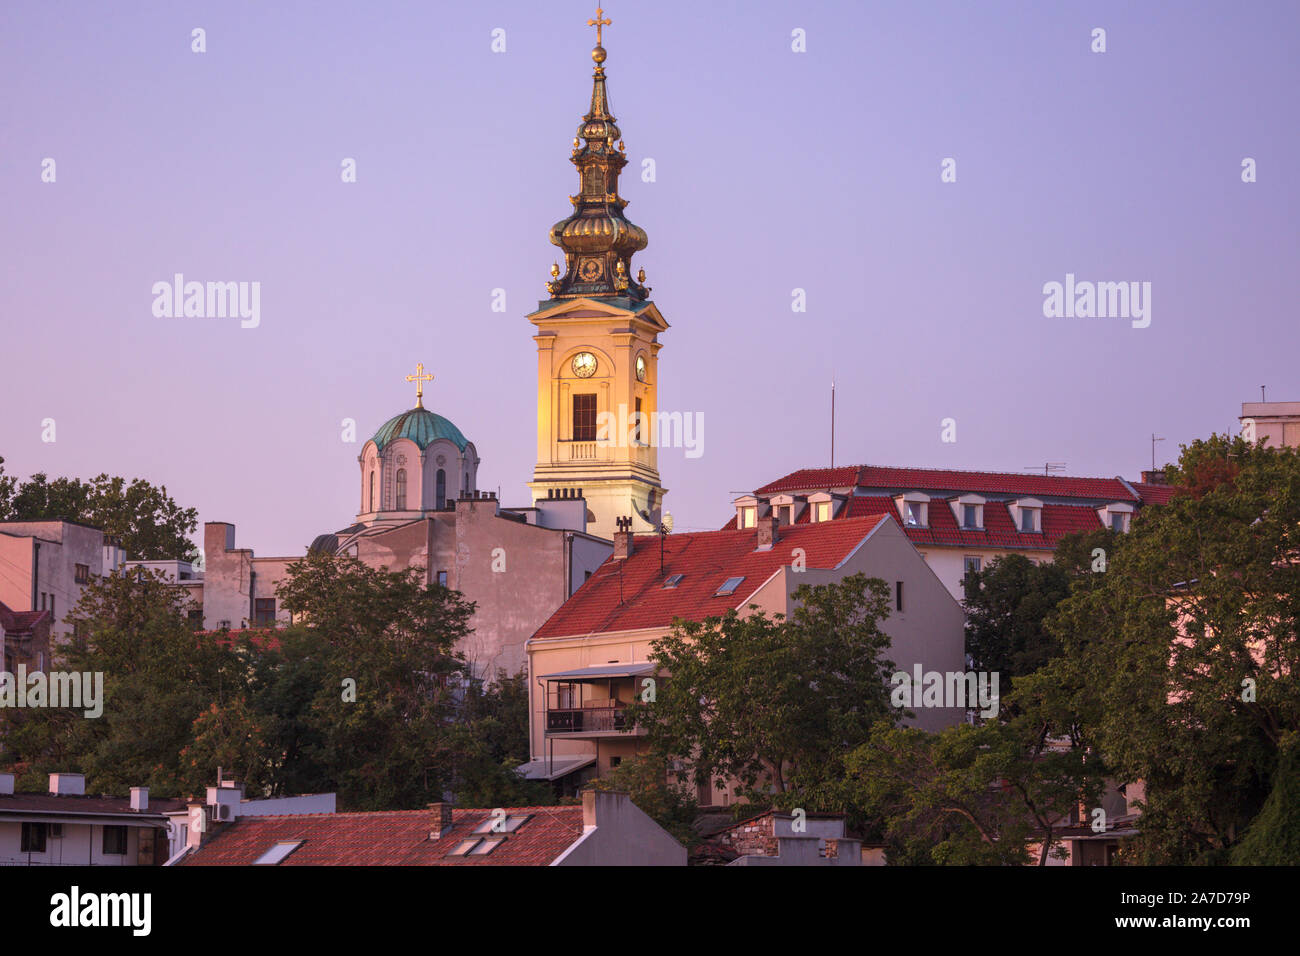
(598, 23)
(419, 378)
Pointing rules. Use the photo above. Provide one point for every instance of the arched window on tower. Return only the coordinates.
(372, 490)
(401, 489)
(440, 490)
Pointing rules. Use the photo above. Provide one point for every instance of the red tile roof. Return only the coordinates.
(629, 594)
(1155, 494)
(19, 622)
(939, 479)
(813, 479)
(397, 838)
(999, 529)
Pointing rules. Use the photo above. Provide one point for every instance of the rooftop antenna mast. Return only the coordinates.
(1154, 439)
(1048, 467)
(832, 418)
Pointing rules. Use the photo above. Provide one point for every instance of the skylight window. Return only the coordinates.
(673, 580)
(464, 846)
(497, 823)
(277, 853)
(487, 846)
(729, 586)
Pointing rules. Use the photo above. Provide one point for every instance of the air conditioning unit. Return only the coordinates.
(56, 831)
(222, 813)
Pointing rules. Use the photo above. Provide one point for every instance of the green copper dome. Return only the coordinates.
(422, 427)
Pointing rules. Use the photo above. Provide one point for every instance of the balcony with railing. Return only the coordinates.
(586, 720)
(593, 701)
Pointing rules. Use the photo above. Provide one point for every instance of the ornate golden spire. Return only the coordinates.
(597, 239)
(419, 378)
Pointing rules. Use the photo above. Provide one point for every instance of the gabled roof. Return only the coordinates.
(1155, 494)
(629, 594)
(881, 477)
(19, 622)
(398, 838)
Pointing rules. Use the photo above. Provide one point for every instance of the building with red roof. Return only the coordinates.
(958, 520)
(24, 639)
(607, 830)
(593, 654)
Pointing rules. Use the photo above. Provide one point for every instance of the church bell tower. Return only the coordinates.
(598, 343)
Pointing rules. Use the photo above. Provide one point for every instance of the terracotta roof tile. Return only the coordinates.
(1155, 494)
(397, 838)
(940, 479)
(629, 594)
(17, 622)
(999, 529)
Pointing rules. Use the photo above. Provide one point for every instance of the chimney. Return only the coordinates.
(139, 798)
(602, 806)
(68, 784)
(440, 820)
(623, 544)
(767, 533)
(6, 784)
(1156, 477)
(196, 824)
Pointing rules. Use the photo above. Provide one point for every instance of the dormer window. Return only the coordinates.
(914, 509)
(1028, 513)
(969, 511)
(1117, 517)
(747, 511)
(786, 508)
(823, 505)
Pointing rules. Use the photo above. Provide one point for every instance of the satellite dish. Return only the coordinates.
(668, 522)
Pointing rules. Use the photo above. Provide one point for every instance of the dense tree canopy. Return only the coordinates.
(774, 703)
(143, 517)
(364, 696)
(1185, 648)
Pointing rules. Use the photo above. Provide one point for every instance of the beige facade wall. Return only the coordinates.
(929, 631)
(517, 574)
(55, 548)
(949, 564)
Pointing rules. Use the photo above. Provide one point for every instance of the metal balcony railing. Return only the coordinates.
(577, 720)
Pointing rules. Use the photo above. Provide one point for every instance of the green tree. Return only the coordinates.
(143, 517)
(774, 703)
(383, 711)
(1185, 648)
(645, 779)
(158, 677)
(491, 734)
(1006, 606)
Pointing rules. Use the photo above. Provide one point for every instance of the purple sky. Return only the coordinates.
(775, 170)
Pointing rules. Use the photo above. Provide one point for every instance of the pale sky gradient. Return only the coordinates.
(776, 170)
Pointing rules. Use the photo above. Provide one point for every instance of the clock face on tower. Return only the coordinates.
(584, 365)
(640, 368)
